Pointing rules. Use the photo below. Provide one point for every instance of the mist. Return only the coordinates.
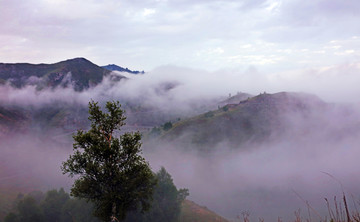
(316, 158)
(265, 179)
(30, 162)
(167, 86)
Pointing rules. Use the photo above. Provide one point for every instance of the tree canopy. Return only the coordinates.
(166, 205)
(110, 170)
(52, 206)
(57, 205)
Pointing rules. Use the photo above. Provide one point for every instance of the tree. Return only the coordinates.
(167, 197)
(53, 203)
(166, 205)
(29, 210)
(78, 210)
(167, 126)
(53, 206)
(111, 171)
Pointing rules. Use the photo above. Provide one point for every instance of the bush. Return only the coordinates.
(167, 126)
(209, 114)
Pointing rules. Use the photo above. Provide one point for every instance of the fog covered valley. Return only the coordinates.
(267, 147)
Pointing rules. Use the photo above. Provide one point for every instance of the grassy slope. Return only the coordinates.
(254, 120)
(191, 212)
(236, 123)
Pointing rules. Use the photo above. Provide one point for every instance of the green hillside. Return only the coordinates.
(84, 74)
(257, 119)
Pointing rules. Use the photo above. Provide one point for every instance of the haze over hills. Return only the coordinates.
(257, 119)
(200, 106)
(78, 73)
(55, 96)
(240, 143)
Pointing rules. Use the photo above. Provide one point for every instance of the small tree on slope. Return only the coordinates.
(111, 172)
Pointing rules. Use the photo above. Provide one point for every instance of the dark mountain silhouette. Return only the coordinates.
(78, 73)
(113, 67)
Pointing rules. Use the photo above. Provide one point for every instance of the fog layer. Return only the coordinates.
(265, 178)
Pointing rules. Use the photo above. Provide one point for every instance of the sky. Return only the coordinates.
(271, 36)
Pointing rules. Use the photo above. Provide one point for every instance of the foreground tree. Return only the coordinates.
(110, 171)
(166, 205)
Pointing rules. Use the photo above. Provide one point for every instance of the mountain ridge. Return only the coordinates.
(256, 119)
(113, 67)
(79, 73)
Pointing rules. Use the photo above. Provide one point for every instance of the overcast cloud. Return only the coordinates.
(271, 35)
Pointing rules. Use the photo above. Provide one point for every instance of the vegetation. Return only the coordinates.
(256, 120)
(83, 73)
(209, 114)
(167, 126)
(191, 212)
(111, 172)
(59, 206)
(166, 205)
(155, 132)
(55, 205)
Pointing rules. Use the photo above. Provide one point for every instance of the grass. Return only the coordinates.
(191, 212)
(338, 212)
(235, 123)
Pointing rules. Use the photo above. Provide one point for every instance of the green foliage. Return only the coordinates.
(209, 114)
(28, 211)
(111, 172)
(53, 206)
(57, 205)
(78, 210)
(166, 205)
(257, 119)
(11, 217)
(155, 132)
(167, 126)
(225, 108)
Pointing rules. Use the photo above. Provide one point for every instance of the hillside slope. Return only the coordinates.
(192, 212)
(79, 73)
(257, 119)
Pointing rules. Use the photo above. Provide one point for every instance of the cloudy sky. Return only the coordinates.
(272, 35)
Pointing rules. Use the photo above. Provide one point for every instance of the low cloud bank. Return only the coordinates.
(261, 179)
(170, 86)
(276, 178)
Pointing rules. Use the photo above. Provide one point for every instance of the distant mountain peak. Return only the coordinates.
(78, 60)
(82, 73)
(113, 67)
